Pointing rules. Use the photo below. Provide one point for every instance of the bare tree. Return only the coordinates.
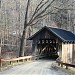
(65, 15)
(43, 6)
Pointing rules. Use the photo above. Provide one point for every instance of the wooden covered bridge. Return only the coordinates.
(46, 42)
(50, 40)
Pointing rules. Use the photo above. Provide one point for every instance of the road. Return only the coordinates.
(39, 67)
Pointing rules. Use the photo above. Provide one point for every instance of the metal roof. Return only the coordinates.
(64, 35)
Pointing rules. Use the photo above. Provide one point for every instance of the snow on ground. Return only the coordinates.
(38, 67)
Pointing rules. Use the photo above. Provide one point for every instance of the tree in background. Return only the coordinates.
(40, 11)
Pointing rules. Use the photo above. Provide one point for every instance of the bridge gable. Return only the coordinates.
(48, 32)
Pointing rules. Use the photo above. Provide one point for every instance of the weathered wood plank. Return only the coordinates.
(11, 61)
(66, 64)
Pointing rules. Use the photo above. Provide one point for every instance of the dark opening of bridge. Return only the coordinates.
(47, 47)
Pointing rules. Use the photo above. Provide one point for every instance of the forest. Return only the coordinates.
(19, 19)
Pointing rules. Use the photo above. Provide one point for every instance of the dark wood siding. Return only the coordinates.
(45, 34)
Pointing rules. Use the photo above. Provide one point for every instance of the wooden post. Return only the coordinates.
(0, 64)
(17, 61)
(0, 59)
(61, 65)
(26, 59)
(29, 59)
(10, 62)
(58, 64)
(0, 51)
(23, 60)
(66, 66)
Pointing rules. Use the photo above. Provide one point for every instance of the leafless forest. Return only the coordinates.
(14, 13)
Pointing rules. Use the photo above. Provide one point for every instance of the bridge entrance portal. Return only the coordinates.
(46, 47)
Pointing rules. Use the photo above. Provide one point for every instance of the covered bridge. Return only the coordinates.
(50, 40)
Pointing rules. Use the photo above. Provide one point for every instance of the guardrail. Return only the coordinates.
(65, 64)
(5, 63)
(11, 62)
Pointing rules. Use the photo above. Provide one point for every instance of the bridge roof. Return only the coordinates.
(63, 35)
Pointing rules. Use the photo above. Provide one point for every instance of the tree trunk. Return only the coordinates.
(33, 18)
(21, 52)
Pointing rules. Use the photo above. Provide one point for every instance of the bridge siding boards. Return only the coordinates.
(68, 53)
(65, 41)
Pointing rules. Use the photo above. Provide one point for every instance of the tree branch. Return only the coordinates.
(34, 23)
(26, 14)
(38, 8)
(41, 12)
(38, 5)
(45, 14)
(42, 5)
(63, 8)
